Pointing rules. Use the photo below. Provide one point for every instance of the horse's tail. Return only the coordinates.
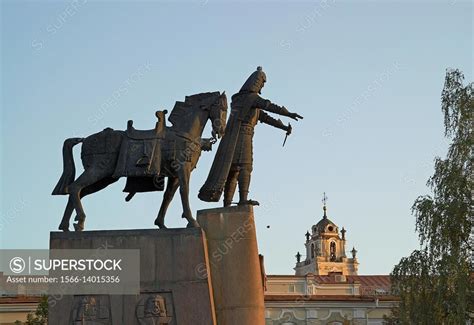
(69, 170)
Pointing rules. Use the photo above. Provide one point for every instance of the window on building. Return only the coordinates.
(332, 251)
(312, 250)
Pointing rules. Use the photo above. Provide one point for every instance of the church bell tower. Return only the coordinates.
(325, 250)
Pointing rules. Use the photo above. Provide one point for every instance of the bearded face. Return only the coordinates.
(154, 307)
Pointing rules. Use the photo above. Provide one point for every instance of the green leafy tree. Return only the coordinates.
(40, 317)
(435, 283)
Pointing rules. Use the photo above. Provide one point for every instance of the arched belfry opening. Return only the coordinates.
(332, 251)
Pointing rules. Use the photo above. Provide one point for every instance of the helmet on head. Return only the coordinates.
(255, 82)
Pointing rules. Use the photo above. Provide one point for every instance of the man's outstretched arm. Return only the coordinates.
(267, 119)
(268, 106)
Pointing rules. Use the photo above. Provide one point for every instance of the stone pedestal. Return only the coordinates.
(235, 265)
(201, 276)
(174, 274)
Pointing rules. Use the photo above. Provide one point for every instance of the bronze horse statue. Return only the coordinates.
(144, 157)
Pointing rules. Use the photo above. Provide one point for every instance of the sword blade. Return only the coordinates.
(284, 141)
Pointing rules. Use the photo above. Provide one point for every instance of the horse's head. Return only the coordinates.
(218, 115)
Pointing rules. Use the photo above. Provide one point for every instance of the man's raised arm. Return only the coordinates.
(268, 106)
(267, 119)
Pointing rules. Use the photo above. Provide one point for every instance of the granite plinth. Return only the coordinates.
(235, 265)
(174, 275)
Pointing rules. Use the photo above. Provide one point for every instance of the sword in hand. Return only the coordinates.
(288, 132)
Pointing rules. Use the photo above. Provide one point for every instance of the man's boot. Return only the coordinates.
(244, 183)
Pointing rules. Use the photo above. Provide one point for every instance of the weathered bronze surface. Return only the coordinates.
(234, 158)
(144, 157)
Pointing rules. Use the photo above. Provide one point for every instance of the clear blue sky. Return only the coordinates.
(366, 77)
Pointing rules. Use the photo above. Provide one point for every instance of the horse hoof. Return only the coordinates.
(193, 224)
(160, 224)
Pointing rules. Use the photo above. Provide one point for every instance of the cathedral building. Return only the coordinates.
(326, 288)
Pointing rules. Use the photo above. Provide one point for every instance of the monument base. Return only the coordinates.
(201, 276)
(174, 274)
(236, 272)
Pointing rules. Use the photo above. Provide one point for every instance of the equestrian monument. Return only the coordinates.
(208, 273)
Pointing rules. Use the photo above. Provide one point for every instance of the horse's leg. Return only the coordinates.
(184, 174)
(171, 187)
(87, 178)
(64, 226)
(75, 193)
(86, 191)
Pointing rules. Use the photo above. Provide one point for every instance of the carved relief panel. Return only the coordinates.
(91, 310)
(155, 309)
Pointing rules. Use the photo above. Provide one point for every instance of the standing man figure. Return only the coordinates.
(234, 159)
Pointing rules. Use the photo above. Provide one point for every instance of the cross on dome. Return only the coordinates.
(324, 200)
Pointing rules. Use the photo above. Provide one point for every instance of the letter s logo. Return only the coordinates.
(17, 265)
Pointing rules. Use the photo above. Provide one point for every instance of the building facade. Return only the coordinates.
(326, 288)
(328, 299)
(16, 308)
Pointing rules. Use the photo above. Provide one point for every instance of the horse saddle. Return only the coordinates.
(157, 132)
(135, 134)
(140, 152)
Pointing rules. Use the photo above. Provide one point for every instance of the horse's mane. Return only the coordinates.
(202, 100)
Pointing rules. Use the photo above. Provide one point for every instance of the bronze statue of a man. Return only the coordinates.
(234, 158)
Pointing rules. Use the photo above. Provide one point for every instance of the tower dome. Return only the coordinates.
(325, 249)
(325, 225)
